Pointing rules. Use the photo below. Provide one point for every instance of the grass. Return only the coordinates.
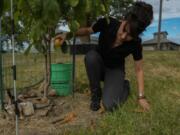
(162, 88)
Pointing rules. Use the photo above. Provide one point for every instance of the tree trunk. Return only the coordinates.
(46, 76)
(48, 67)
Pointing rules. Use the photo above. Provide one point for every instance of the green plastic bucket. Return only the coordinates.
(61, 72)
(61, 78)
(62, 89)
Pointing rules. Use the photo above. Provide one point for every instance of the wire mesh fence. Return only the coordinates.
(30, 68)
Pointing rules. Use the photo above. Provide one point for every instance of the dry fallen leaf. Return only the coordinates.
(92, 125)
(140, 110)
(52, 93)
(102, 109)
(44, 100)
(87, 92)
(69, 118)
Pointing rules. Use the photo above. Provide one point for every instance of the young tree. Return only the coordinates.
(40, 17)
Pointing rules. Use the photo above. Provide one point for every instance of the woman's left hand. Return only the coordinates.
(144, 104)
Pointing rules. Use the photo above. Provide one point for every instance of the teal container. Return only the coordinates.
(61, 78)
(62, 89)
(61, 73)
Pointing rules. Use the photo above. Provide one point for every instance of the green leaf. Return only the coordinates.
(103, 9)
(21, 4)
(73, 3)
(4, 6)
(78, 14)
(74, 25)
(88, 6)
(40, 48)
(50, 14)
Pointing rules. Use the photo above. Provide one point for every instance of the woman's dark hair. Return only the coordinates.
(139, 16)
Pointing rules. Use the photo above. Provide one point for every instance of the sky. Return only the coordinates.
(170, 19)
(171, 8)
(170, 25)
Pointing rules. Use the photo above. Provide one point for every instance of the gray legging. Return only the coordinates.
(115, 90)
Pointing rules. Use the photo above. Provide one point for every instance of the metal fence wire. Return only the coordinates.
(30, 68)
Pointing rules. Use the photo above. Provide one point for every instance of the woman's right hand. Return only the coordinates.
(144, 104)
(59, 39)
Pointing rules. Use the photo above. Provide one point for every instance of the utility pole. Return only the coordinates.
(1, 75)
(14, 68)
(159, 25)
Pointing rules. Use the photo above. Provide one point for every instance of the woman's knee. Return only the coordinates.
(109, 104)
(91, 57)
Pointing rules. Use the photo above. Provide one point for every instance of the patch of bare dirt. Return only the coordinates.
(63, 113)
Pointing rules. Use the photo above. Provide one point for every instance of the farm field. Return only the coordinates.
(162, 88)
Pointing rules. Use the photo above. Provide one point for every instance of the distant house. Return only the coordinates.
(165, 43)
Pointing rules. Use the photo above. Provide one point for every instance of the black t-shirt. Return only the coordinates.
(114, 57)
